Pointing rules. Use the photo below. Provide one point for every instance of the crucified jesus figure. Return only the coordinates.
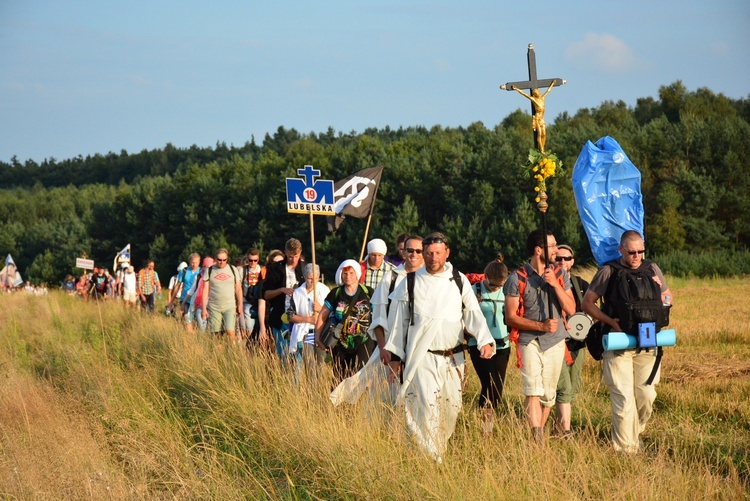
(537, 121)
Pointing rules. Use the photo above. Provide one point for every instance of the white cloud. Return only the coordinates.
(606, 52)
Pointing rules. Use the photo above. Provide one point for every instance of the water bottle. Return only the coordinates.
(667, 300)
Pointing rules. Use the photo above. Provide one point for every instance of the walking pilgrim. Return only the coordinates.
(430, 342)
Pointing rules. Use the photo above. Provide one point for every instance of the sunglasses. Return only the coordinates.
(221, 260)
(493, 286)
(434, 240)
(633, 253)
(252, 260)
(563, 258)
(411, 251)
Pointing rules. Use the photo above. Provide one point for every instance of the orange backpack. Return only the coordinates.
(514, 332)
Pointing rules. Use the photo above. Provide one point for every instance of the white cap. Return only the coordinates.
(182, 266)
(377, 246)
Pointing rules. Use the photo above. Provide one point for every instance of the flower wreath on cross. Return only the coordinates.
(542, 166)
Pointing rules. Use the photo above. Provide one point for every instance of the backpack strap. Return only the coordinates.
(515, 334)
(657, 362)
(615, 267)
(459, 282)
(560, 279)
(410, 299)
(394, 275)
(577, 288)
(478, 289)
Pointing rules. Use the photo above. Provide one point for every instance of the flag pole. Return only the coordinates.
(312, 244)
(369, 220)
(364, 243)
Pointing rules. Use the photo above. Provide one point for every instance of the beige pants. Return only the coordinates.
(625, 373)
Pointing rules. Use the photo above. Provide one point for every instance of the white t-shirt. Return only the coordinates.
(128, 282)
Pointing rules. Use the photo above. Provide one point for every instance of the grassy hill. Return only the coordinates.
(101, 402)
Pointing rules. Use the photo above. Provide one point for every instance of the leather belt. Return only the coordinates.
(447, 353)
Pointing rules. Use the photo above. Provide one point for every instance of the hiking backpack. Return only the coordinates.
(634, 298)
(515, 334)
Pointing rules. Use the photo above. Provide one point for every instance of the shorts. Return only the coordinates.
(129, 296)
(219, 321)
(541, 371)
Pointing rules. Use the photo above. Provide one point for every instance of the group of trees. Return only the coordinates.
(467, 182)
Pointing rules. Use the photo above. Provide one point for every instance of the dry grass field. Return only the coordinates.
(103, 403)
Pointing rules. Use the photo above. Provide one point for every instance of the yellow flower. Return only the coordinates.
(537, 199)
(536, 188)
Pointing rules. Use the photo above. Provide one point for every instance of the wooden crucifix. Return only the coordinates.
(536, 97)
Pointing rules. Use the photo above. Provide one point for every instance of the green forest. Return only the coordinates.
(468, 182)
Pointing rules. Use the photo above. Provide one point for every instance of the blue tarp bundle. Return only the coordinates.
(607, 189)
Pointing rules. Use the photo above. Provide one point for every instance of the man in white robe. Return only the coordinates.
(374, 374)
(432, 345)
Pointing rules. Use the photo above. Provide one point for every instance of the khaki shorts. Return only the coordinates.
(129, 296)
(541, 371)
(222, 320)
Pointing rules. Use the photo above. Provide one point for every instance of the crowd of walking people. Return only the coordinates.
(407, 319)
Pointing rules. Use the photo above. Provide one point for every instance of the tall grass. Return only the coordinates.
(104, 403)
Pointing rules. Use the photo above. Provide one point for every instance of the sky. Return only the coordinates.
(83, 77)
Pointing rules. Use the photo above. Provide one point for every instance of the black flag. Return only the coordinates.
(355, 195)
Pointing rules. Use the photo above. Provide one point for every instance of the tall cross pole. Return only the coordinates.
(539, 127)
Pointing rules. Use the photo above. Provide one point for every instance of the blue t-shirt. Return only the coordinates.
(492, 305)
(188, 279)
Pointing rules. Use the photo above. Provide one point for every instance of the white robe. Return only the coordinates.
(432, 384)
(374, 375)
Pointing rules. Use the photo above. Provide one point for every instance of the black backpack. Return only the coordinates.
(634, 298)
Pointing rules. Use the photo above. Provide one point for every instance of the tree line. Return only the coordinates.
(690, 146)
